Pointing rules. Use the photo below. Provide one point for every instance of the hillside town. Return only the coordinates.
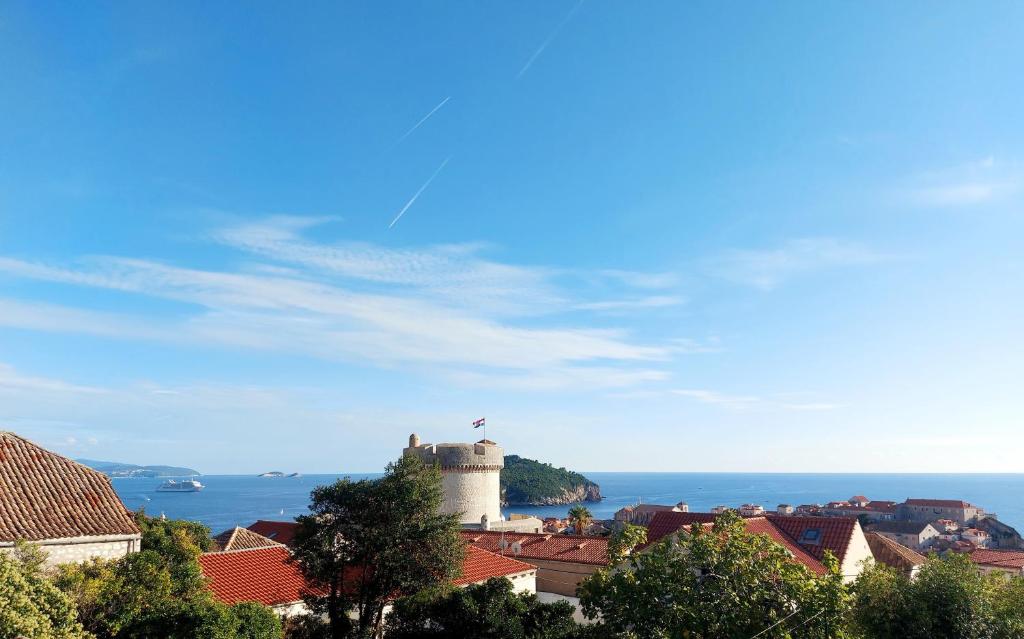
(72, 515)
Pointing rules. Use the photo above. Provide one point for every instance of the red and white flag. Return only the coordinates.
(478, 423)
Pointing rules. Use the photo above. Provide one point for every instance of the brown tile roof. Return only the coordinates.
(834, 533)
(1012, 559)
(543, 547)
(46, 496)
(939, 503)
(241, 539)
(263, 575)
(805, 537)
(665, 524)
(891, 553)
(279, 531)
(480, 565)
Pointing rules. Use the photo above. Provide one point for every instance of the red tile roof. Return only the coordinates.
(480, 565)
(544, 547)
(939, 503)
(1012, 559)
(266, 576)
(263, 575)
(860, 498)
(280, 531)
(834, 533)
(891, 553)
(241, 539)
(46, 496)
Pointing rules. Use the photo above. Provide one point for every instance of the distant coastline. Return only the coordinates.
(120, 470)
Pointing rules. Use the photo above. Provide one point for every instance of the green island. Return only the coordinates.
(530, 482)
(117, 469)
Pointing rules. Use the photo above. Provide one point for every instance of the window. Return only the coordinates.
(810, 536)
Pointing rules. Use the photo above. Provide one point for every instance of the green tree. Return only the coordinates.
(716, 582)
(624, 541)
(580, 517)
(481, 611)
(948, 599)
(366, 542)
(31, 606)
(160, 592)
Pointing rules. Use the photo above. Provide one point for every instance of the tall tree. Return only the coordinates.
(580, 517)
(367, 542)
(719, 582)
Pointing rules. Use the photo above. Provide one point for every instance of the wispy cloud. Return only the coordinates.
(423, 188)
(13, 381)
(356, 303)
(717, 398)
(547, 41)
(979, 182)
(766, 269)
(424, 119)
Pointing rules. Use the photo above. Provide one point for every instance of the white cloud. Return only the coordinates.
(13, 381)
(766, 269)
(431, 309)
(980, 182)
(714, 397)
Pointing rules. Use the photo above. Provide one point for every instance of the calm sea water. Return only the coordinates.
(239, 500)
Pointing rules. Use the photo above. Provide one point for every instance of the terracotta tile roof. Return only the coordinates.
(665, 524)
(891, 553)
(939, 503)
(860, 498)
(280, 531)
(263, 575)
(1011, 559)
(834, 533)
(46, 496)
(241, 539)
(545, 547)
(480, 565)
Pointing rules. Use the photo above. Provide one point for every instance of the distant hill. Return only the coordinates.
(530, 482)
(117, 469)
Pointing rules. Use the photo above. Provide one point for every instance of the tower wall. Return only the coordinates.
(470, 476)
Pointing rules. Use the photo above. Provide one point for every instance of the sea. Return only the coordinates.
(239, 500)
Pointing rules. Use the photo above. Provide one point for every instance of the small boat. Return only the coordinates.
(184, 486)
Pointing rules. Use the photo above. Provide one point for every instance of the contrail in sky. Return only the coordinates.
(422, 189)
(547, 41)
(425, 118)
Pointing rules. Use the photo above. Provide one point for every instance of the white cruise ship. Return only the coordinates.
(185, 486)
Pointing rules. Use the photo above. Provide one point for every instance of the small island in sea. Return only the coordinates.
(118, 469)
(528, 482)
(277, 473)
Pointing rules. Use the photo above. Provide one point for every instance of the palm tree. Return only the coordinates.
(580, 518)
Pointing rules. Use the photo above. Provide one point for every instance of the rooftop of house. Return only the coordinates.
(665, 524)
(263, 575)
(1013, 559)
(44, 495)
(480, 565)
(806, 537)
(280, 531)
(901, 527)
(858, 498)
(238, 538)
(939, 503)
(543, 547)
(893, 554)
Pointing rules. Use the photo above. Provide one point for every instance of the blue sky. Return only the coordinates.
(682, 237)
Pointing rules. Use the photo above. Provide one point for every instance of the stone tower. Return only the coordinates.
(470, 474)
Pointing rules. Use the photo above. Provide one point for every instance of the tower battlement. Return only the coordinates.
(470, 474)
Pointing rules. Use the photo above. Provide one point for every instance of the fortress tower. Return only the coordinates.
(470, 475)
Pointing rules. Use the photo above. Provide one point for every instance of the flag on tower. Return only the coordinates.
(478, 423)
